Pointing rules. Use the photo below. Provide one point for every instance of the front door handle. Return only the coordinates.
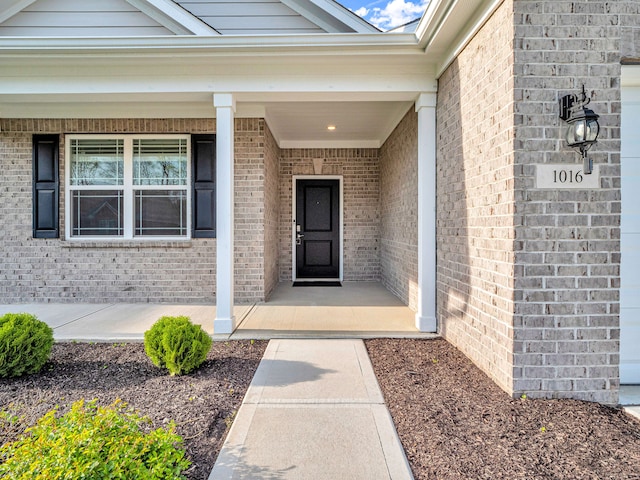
(299, 238)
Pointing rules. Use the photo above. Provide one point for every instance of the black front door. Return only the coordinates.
(317, 229)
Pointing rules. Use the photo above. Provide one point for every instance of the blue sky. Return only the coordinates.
(386, 14)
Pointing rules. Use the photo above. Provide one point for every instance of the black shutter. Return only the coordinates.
(203, 151)
(46, 187)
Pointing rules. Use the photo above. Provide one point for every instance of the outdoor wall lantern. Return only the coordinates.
(583, 125)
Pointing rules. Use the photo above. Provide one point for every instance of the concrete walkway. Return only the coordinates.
(313, 411)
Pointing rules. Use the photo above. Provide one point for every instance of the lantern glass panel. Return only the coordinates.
(576, 132)
(592, 130)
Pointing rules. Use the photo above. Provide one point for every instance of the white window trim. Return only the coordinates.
(128, 188)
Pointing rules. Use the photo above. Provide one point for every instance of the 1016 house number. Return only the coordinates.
(566, 176)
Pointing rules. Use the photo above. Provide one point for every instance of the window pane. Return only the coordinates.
(161, 212)
(96, 213)
(160, 162)
(97, 161)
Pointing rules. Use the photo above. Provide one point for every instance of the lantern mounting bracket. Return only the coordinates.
(570, 103)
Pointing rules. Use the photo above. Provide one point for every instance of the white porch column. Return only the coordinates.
(426, 314)
(225, 106)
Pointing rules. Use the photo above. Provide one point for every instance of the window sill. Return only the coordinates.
(127, 243)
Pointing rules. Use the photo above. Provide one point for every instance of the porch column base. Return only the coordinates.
(224, 326)
(426, 324)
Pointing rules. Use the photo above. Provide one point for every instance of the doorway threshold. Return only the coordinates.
(317, 283)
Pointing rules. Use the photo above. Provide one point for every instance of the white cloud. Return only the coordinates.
(396, 13)
(362, 12)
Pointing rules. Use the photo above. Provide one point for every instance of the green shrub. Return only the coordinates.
(177, 344)
(94, 442)
(25, 344)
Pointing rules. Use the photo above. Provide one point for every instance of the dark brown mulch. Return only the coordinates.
(202, 404)
(455, 423)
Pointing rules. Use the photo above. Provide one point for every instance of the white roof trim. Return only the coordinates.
(280, 44)
(15, 7)
(334, 10)
(173, 17)
(432, 21)
(437, 26)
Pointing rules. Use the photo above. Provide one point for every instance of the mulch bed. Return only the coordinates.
(202, 404)
(455, 423)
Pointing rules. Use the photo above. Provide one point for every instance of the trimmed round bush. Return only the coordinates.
(94, 443)
(25, 344)
(177, 344)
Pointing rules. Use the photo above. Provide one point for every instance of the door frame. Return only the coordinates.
(294, 186)
(629, 150)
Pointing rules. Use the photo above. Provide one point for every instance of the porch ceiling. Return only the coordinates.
(357, 124)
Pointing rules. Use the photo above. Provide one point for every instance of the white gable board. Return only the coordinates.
(101, 18)
(251, 17)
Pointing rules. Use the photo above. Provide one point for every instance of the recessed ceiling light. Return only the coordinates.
(331, 128)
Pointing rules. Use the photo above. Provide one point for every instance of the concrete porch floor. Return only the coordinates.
(355, 310)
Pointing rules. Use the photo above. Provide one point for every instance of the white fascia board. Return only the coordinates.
(173, 17)
(150, 84)
(432, 20)
(332, 10)
(13, 8)
(276, 44)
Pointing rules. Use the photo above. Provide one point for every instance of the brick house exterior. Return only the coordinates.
(533, 295)
(524, 280)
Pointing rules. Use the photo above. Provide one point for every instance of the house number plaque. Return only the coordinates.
(566, 176)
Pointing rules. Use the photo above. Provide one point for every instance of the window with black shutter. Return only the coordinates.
(126, 186)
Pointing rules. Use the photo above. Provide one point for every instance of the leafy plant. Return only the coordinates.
(25, 344)
(177, 344)
(94, 442)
